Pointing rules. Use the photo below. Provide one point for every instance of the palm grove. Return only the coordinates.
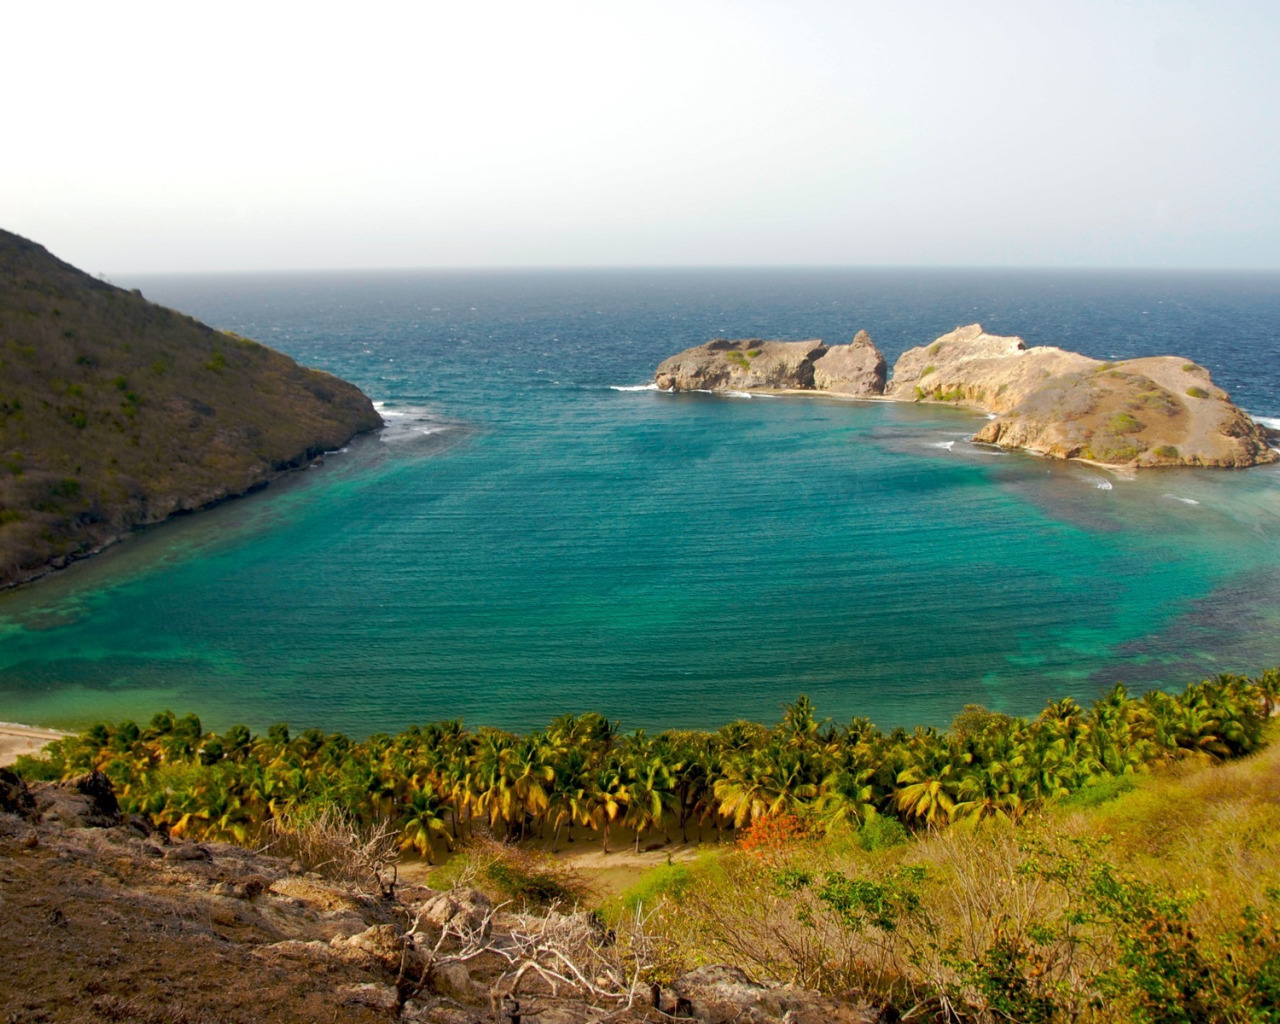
(443, 781)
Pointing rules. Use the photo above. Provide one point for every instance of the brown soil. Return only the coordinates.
(95, 930)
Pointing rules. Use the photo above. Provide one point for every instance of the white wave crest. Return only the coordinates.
(407, 422)
(651, 386)
(1185, 501)
(945, 445)
(1101, 483)
(1270, 422)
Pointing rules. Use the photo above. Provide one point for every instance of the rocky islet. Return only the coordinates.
(1135, 413)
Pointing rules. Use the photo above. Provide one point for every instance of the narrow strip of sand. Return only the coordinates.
(16, 740)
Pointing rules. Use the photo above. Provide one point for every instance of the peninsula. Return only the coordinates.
(116, 413)
(1136, 413)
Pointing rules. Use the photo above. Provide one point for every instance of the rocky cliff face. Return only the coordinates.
(1157, 411)
(855, 369)
(754, 365)
(116, 412)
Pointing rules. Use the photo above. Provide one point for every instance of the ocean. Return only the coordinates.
(536, 532)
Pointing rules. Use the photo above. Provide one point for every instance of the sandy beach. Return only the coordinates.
(16, 740)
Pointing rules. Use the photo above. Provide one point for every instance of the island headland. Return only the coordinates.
(117, 413)
(1134, 413)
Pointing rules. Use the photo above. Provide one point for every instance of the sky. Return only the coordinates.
(171, 137)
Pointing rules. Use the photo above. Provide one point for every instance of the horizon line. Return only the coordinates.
(703, 267)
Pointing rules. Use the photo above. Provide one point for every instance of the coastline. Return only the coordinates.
(57, 564)
(16, 740)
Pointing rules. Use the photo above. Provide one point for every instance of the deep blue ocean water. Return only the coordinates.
(527, 539)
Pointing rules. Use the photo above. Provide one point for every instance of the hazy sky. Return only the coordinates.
(172, 136)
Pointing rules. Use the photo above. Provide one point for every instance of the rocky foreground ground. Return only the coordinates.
(1136, 413)
(104, 918)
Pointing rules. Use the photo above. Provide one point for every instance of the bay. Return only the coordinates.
(534, 535)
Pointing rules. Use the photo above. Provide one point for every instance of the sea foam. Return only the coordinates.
(408, 422)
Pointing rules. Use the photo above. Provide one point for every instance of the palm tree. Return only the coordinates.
(607, 796)
(421, 820)
(569, 798)
(650, 794)
(847, 795)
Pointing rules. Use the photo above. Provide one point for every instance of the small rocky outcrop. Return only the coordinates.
(87, 801)
(722, 365)
(15, 798)
(854, 369)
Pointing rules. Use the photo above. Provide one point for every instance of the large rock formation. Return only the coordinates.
(722, 365)
(856, 369)
(1156, 411)
(115, 412)
(754, 365)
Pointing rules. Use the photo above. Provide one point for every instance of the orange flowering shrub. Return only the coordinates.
(772, 835)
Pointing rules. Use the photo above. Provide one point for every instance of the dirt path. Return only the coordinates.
(611, 873)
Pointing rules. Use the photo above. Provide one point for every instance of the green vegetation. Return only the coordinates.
(1166, 451)
(147, 411)
(442, 779)
(1162, 905)
(1123, 423)
(1107, 863)
(738, 359)
(1111, 449)
(927, 370)
(1190, 367)
(1196, 392)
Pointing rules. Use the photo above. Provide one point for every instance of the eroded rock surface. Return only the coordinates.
(1155, 411)
(722, 365)
(854, 369)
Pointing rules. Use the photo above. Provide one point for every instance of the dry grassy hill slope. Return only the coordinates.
(116, 412)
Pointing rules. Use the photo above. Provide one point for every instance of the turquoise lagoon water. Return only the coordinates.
(535, 534)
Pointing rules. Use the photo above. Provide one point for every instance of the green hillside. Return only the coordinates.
(116, 412)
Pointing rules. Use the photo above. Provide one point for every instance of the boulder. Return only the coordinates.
(719, 994)
(377, 997)
(381, 943)
(465, 910)
(15, 798)
(854, 369)
(87, 801)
